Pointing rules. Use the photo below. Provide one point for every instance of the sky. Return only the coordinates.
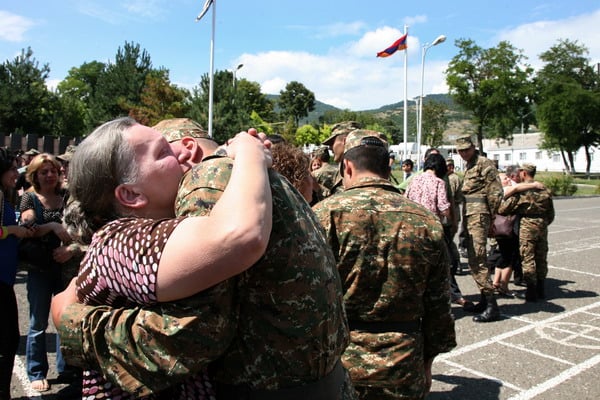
(328, 46)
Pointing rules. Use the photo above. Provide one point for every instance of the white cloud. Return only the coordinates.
(13, 27)
(535, 38)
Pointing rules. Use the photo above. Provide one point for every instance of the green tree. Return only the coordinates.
(159, 100)
(26, 104)
(435, 122)
(568, 101)
(296, 101)
(494, 85)
(121, 85)
(306, 134)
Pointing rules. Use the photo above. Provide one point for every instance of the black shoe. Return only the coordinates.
(491, 313)
(476, 308)
(519, 282)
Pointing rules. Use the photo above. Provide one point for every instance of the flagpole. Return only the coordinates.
(406, 97)
(212, 71)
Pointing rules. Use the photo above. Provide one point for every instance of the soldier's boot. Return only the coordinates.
(491, 313)
(531, 292)
(541, 290)
(479, 307)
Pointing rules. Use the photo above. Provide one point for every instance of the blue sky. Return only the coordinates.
(329, 46)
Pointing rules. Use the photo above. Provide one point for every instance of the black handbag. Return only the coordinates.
(36, 253)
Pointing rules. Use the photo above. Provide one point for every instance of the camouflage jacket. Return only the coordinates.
(534, 206)
(277, 325)
(394, 267)
(329, 179)
(481, 187)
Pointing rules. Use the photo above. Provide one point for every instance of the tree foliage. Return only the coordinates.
(26, 104)
(494, 84)
(435, 122)
(296, 101)
(568, 101)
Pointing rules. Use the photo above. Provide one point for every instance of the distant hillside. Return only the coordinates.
(389, 109)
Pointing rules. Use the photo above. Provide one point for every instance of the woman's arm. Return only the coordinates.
(203, 251)
(521, 187)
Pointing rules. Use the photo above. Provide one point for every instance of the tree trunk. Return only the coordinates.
(588, 161)
(567, 168)
(480, 139)
(570, 154)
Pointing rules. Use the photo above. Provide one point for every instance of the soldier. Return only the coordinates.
(332, 181)
(326, 174)
(392, 259)
(277, 331)
(483, 192)
(535, 209)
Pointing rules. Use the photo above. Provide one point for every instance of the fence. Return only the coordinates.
(43, 144)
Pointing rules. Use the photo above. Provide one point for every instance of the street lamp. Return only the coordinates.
(234, 73)
(426, 46)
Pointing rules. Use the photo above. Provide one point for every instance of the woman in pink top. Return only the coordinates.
(429, 188)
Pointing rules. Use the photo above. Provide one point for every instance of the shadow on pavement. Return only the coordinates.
(466, 388)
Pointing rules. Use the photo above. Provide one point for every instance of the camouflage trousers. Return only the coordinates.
(478, 226)
(533, 246)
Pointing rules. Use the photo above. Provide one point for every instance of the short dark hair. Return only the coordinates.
(370, 158)
(408, 161)
(437, 163)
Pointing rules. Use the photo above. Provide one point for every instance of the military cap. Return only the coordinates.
(341, 128)
(529, 168)
(32, 152)
(364, 137)
(464, 142)
(320, 151)
(68, 154)
(176, 128)
(450, 161)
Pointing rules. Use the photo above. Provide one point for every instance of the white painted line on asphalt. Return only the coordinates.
(20, 372)
(535, 352)
(578, 209)
(557, 380)
(574, 271)
(532, 325)
(481, 375)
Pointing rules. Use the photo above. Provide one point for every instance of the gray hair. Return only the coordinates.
(102, 161)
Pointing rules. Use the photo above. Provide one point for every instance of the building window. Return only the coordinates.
(555, 157)
(507, 157)
(538, 155)
(497, 157)
(522, 156)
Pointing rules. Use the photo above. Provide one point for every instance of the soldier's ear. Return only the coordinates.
(195, 151)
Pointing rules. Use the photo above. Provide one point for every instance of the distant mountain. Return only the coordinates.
(395, 108)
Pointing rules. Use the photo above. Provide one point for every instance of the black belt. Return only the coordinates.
(327, 388)
(381, 327)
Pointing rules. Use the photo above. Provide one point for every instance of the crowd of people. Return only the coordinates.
(185, 269)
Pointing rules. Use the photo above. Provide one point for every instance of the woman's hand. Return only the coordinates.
(251, 141)
(62, 300)
(62, 254)
(60, 231)
(21, 232)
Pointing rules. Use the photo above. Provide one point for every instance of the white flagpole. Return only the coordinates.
(406, 97)
(207, 5)
(212, 71)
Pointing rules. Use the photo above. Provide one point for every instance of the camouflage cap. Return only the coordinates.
(529, 168)
(341, 128)
(364, 137)
(450, 161)
(320, 151)
(68, 154)
(464, 142)
(32, 152)
(176, 128)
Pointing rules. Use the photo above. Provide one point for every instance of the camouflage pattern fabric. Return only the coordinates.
(535, 209)
(280, 324)
(329, 179)
(392, 259)
(483, 192)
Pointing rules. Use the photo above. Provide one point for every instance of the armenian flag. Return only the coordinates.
(399, 44)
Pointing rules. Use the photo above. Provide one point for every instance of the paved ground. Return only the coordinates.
(546, 350)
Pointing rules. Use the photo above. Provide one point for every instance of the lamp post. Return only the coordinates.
(426, 46)
(235, 73)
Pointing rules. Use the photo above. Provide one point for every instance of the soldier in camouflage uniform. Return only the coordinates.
(483, 192)
(277, 331)
(392, 258)
(330, 179)
(326, 174)
(535, 209)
